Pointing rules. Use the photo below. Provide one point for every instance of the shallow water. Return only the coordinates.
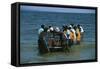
(30, 23)
(31, 55)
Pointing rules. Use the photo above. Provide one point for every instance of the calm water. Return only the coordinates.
(30, 23)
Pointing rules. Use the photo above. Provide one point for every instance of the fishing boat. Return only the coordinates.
(51, 42)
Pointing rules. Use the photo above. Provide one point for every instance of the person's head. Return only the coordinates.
(42, 26)
(49, 26)
(65, 28)
(69, 28)
(72, 25)
(78, 25)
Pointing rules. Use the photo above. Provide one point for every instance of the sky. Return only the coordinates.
(56, 9)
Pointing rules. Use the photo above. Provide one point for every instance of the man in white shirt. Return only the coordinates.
(41, 29)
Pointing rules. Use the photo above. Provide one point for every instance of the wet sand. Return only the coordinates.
(77, 52)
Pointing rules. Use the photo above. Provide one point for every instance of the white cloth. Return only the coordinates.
(68, 34)
(50, 29)
(70, 26)
(57, 29)
(73, 30)
(82, 30)
(40, 30)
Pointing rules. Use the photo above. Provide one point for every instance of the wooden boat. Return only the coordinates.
(51, 42)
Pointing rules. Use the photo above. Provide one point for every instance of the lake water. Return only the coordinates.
(30, 22)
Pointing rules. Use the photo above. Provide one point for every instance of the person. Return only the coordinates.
(71, 25)
(41, 29)
(63, 27)
(72, 37)
(68, 33)
(42, 42)
(65, 31)
(50, 29)
(57, 29)
(73, 32)
(81, 31)
(66, 38)
(78, 36)
(51, 36)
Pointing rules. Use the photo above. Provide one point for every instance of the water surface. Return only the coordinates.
(30, 23)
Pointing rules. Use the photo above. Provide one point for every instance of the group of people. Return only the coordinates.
(73, 34)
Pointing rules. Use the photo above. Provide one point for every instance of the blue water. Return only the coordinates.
(30, 22)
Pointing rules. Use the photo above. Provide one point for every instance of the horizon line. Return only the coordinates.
(55, 9)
